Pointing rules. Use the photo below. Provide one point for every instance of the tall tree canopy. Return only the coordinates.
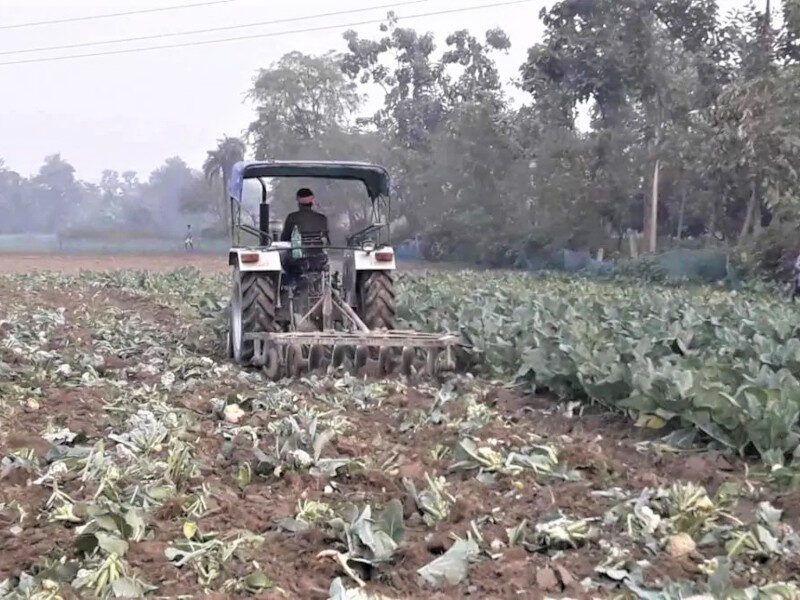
(664, 118)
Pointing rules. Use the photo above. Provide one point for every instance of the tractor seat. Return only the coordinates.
(315, 259)
(305, 273)
(313, 243)
(310, 264)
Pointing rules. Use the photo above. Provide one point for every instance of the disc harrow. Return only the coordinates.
(332, 334)
(288, 354)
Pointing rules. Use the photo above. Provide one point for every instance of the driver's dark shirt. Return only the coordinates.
(308, 222)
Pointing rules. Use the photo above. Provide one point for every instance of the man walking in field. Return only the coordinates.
(188, 243)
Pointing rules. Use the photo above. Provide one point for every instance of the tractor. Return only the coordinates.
(324, 317)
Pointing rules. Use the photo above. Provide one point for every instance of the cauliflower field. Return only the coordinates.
(604, 441)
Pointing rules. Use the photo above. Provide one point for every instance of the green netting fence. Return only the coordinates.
(705, 265)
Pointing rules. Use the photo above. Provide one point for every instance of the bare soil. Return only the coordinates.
(604, 448)
(12, 262)
(74, 263)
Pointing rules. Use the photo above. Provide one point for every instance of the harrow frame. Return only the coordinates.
(272, 349)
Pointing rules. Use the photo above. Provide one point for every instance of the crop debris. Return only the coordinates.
(609, 442)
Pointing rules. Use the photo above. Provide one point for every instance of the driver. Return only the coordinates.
(310, 224)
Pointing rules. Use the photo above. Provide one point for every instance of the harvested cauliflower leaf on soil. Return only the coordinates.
(136, 461)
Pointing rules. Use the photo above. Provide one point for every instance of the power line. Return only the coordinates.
(260, 35)
(112, 15)
(213, 29)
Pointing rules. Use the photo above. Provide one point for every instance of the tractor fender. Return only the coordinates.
(249, 260)
(360, 261)
(368, 261)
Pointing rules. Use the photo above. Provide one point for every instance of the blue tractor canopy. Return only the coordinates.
(374, 177)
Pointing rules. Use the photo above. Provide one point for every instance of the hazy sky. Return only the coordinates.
(131, 111)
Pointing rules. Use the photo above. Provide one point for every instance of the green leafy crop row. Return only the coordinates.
(726, 364)
(723, 363)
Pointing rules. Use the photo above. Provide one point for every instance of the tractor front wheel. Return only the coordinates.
(253, 303)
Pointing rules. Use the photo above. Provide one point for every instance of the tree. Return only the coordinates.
(12, 206)
(414, 95)
(58, 201)
(669, 60)
(790, 38)
(479, 80)
(752, 153)
(199, 198)
(426, 100)
(464, 184)
(165, 191)
(757, 146)
(218, 166)
(306, 110)
(694, 131)
(56, 174)
(299, 99)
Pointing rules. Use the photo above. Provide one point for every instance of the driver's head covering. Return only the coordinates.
(305, 197)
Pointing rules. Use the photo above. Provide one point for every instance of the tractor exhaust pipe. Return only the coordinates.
(263, 216)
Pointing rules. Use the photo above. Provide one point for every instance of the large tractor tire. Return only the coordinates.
(253, 306)
(377, 305)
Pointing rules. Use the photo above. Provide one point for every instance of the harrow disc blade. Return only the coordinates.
(432, 362)
(341, 355)
(448, 362)
(407, 361)
(316, 356)
(387, 361)
(293, 359)
(362, 356)
(272, 365)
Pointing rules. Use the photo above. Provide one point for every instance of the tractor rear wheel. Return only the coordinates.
(253, 304)
(378, 305)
